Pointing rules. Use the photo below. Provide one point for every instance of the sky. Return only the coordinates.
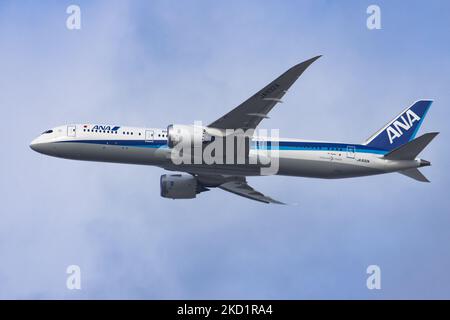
(154, 63)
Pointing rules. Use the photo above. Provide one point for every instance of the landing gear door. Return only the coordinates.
(71, 131)
(351, 152)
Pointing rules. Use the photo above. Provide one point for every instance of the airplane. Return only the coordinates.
(393, 148)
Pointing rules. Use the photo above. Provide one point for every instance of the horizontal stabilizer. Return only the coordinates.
(415, 174)
(410, 150)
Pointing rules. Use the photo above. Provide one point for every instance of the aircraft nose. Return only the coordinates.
(34, 145)
(37, 145)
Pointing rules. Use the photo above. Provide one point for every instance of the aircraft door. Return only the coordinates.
(71, 131)
(351, 152)
(149, 135)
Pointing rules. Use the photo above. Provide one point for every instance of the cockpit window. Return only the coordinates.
(48, 131)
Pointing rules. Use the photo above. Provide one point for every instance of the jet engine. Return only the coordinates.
(189, 134)
(180, 186)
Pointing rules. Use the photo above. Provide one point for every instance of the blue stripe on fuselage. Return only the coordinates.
(281, 145)
(316, 146)
(123, 143)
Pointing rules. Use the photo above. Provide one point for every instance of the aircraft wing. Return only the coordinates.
(240, 187)
(251, 112)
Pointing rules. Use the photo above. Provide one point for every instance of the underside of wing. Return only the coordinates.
(240, 187)
(251, 112)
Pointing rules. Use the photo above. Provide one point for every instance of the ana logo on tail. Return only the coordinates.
(396, 129)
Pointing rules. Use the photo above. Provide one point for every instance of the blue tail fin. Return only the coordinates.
(402, 129)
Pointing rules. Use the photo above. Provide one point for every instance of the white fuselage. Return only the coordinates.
(148, 146)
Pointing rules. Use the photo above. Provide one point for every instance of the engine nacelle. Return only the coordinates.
(179, 186)
(188, 134)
